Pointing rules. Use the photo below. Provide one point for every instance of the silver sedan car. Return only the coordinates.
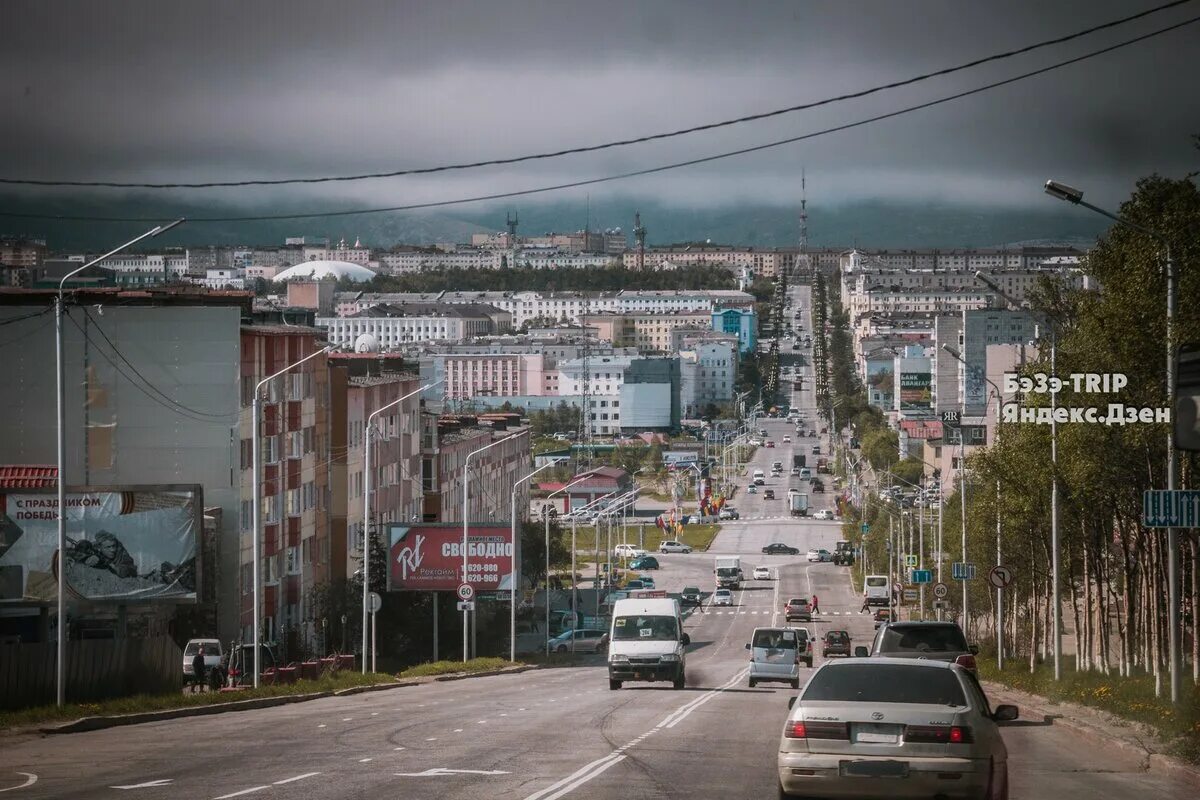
(893, 728)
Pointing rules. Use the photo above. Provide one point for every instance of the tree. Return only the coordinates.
(881, 447)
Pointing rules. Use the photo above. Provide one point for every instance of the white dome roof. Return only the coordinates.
(318, 270)
(366, 343)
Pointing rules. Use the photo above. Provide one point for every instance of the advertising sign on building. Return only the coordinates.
(123, 544)
(916, 391)
(429, 558)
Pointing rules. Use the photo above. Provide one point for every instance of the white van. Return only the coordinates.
(759, 477)
(877, 590)
(646, 642)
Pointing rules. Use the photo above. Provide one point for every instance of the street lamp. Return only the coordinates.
(512, 649)
(256, 557)
(579, 479)
(60, 358)
(1056, 599)
(466, 511)
(999, 592)
(366, 554)
(1075, 196)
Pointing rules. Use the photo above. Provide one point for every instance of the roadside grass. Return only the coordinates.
(162, 702)
(1130, 698)
(432, 668)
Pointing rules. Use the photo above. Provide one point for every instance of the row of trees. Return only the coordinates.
(1113, 570)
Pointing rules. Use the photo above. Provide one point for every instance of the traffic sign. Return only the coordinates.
(941, 604)
(1000, 577)
(374, 602)
(910, 560)
(922, 576)
(465, 591)
(940, 590)
(910, 595)
(865, 527)
(963, 571)
(466, 605)
(1172, 508)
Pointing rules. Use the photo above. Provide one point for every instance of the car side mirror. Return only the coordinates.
(1005, 713)
(791, 702)
(860, 652)
(747, 645)
(685, 640)
(973, 649)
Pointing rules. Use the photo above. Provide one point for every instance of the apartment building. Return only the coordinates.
(708, 371)
(493, 374)
(446, 443)
(396, 324)
(765, 263)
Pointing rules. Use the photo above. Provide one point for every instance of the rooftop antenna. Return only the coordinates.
(639, 234)
(511, 221)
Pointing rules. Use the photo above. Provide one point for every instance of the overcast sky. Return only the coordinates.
(166, 90)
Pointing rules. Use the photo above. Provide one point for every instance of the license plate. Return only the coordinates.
(877, 733)
(874, 769)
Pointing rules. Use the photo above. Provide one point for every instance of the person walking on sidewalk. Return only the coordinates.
(198, 670)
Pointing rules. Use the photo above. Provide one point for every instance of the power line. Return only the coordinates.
(626, 175)
(613, 144)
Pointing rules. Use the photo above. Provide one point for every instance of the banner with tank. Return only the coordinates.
(123, 544)
(429, 557)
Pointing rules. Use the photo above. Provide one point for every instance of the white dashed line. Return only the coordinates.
(431, 739)
(242, 792)
(297, 778)
(397, 748)
(322, 725)
(347, 719)
(363, 760)
(458, 730)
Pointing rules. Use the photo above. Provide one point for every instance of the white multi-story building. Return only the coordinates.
(224, 279)
(491, 374)
(143, 269)
(765, 263)
(606, 374)
(398, 325)
(707, 374)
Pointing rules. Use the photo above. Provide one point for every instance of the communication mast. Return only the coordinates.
(511, 221)
(639, 234)
(803, 267)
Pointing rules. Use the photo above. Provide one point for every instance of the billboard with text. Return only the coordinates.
(429, 558)
(123, 544)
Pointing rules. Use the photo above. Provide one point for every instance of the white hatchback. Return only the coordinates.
(762, 573)
(824, 513)
(674, 547)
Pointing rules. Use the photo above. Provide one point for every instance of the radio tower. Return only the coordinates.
(511, 221)
(802, 265)
(639, 233)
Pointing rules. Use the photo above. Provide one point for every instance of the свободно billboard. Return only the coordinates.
(124, 544)
(429, 558)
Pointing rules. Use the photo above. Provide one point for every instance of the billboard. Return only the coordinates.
(916, 391)
(429, 558)
(881, 378)
(124, 544)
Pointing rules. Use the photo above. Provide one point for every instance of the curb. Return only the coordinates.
(100, 723)
(1151, 760)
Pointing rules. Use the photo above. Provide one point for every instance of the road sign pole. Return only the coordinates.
(921, 553)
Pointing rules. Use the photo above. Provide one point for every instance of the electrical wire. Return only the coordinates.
(620, 142)
(625, 175)
(23, 336)
(14, 320)
(145, 380)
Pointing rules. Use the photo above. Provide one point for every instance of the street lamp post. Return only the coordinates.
(579, 479)
(512, 622)
(1075, 196)
(367, 525)
(61, 390)
(466, 515)
(256, 501)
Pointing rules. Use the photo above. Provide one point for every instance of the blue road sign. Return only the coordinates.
(922, 576)
(962, 571)
(1171, 508)
(865, 527)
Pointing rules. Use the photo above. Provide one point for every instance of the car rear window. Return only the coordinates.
(886, 683)
(940, 638)
(836, 637)
(877, 581)
(776, 639)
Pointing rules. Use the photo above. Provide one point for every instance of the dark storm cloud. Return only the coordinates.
(228, 90)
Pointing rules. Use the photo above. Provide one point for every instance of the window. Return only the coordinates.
(247, 453)
(295, 441)
(270, 449)
(271, 505)
(293, 561)
(293, 503)
(247, 516)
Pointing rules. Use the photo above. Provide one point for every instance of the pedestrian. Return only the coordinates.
(866, 606)
(816, 609)
(198, 670)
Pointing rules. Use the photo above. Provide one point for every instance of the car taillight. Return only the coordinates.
(938, 734)
(816, 730)
(966, 662)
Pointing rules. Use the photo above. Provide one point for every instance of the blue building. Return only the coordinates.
(738, 321)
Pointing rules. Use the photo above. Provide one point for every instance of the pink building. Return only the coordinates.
(497, 375)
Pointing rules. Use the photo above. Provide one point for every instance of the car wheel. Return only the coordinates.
(808, 663)
(562, 648)
(613, 685)
(796, 683)
(783, 794)
(753, 683)
(679, 681)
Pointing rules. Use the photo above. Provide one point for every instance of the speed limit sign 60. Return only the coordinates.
(940, 590)
(465, 591)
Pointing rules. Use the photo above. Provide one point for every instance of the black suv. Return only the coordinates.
(939, 641)
(690, 596)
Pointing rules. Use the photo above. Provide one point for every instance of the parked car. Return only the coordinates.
(813, 555)
(673, 546)
(940, 641)
(762, 573)
(722, 597)
(775, 655)
(729, 512)
(636, 583)
(628, 551)
(893, 728)
(644, 562)
(647, 581)
(836, 643)
(779, 548)
(690, 596)
(798, 608)
(211, 649)
(586, 640)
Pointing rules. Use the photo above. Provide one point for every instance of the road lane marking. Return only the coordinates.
(30, 780)
(322, 725)
(146, 785)
(347, 719)
(680, 713)
(577, 778)
(439, 771)
(297, 778)
(397, 748)
(364, 760)
(242, 792)
(458, 730)
(431, 739)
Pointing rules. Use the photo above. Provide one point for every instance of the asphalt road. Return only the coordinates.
(544, 734)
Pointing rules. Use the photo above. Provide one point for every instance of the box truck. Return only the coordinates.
(728, 571)
(797, 503)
